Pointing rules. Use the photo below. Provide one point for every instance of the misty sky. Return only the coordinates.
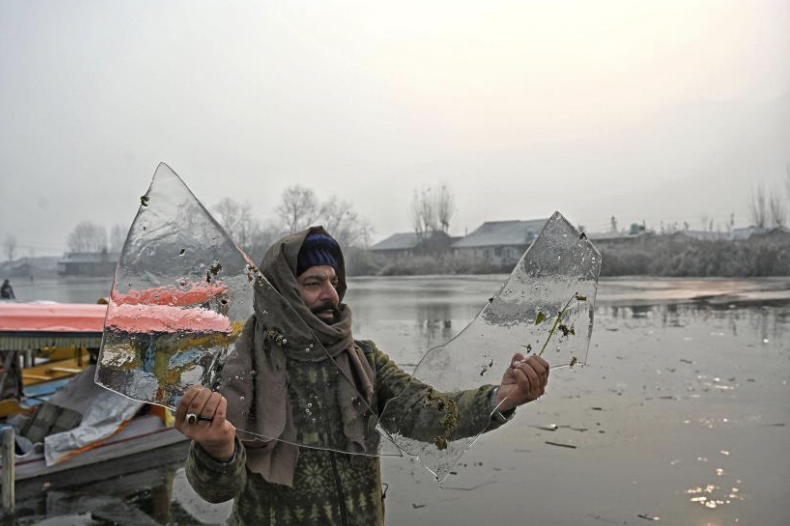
(653, 110)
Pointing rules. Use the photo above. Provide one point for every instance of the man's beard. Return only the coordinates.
(327, 305)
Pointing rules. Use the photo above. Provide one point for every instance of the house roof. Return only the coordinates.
(705, 235)
(90, 257)
(401, 241)
(498, 233)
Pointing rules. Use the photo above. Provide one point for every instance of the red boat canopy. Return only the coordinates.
(32, 326)
(52, 317)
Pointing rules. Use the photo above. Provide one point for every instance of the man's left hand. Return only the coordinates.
(525, 380)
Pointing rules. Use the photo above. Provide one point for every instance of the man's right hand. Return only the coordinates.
(216, 437)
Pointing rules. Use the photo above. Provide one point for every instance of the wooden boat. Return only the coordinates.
(140, 442)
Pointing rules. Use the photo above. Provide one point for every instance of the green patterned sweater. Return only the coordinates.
(332, 488)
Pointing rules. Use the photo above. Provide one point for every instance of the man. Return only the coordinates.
(308, 476)
(6, 291)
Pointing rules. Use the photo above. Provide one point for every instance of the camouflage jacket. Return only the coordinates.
(332, 488)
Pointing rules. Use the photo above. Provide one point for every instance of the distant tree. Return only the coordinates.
(758, 207)
(613, 224)
(432, 208)
(298, 209)
(445, 206)
(9, 245)
(340, 220)
(87, 237)
(238, 221)
(777, 211)
(787, 181)
(416, 210)
(707, 222)
(117, 237)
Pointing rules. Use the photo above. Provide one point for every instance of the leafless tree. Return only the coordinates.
(298, 209)
(424, 212)
(758, 207)
(117, 237)
(445, 206)
(787, 181)
(10, 247)
(777, 211)
(340, 220)
(416, 214)
(238, 221)
(87, 237)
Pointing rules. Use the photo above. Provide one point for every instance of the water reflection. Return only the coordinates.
(763, 325)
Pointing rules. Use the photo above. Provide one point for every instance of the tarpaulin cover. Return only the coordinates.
(102, 412)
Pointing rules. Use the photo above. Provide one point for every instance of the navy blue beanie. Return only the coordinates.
(317, 250)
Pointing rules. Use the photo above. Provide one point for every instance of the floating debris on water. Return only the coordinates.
(648, 517)
(558, 444)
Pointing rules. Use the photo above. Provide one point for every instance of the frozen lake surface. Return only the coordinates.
(681, 416)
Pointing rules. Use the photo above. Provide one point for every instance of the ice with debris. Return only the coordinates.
(546, 307)
(178, 314)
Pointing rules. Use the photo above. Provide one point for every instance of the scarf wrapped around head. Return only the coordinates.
(265, 393)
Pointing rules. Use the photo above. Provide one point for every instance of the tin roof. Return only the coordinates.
(498, 233)
(401, 241)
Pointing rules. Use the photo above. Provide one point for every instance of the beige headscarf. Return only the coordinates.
(280, 314)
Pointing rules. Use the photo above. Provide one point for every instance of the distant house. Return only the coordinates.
(635, 233)
(42, 266)
(779, 233)
(88, 264)
(409, 244)
(706, 235)
(747, 232)
(501, 243)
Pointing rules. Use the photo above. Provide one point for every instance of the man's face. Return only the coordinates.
(318, 287)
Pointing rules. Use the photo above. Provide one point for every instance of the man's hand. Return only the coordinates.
(210, 429)
(525, 380)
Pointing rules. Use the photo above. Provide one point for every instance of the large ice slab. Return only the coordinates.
(545, 307)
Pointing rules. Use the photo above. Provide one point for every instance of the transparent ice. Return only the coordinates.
(182, 293)
(558, 273)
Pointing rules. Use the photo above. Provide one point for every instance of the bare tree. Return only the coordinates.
(445, 206)
(238, 221)
(777, 211)
(787, 181)
(758, 207)
(731, 223)
(299, 208)
(416, 214)
(10, 247)
(117, 237)
(424, 212)
(340, 220)
(87, 237)
(705, 219)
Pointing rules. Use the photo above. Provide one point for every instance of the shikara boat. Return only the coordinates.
(58, 396)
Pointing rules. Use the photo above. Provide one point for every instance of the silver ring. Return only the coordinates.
(192, 418)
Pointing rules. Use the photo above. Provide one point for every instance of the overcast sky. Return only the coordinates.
(653, 110)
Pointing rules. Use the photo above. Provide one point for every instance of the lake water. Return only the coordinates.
(682, 416)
